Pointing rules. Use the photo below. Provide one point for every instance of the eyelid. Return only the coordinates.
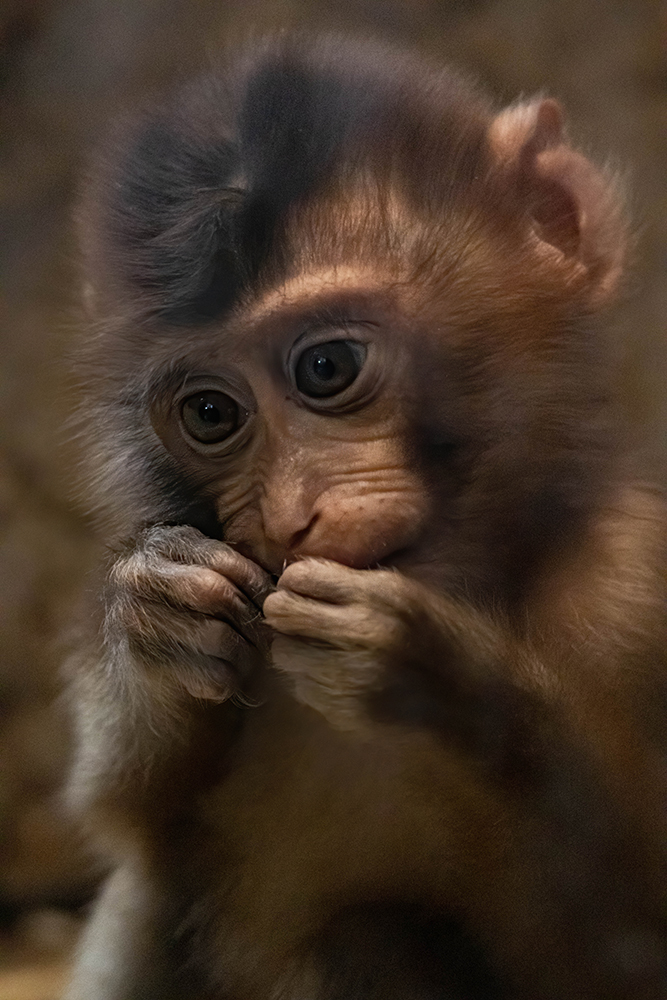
(320, 336)
(358, 394)
(193, 385)
(235, 389)
(322, 331)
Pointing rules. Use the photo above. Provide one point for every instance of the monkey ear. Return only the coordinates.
(574, 207)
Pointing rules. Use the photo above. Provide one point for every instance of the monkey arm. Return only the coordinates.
(373, 647)
(568, 756)
(360, 645)
(181, 635)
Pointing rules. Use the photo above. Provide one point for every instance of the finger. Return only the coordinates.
(194, 642)
(226, 644)
(324, 580)
(250, 578)
(193, 588)
(213, 677)
(184, 544)
(293, 614)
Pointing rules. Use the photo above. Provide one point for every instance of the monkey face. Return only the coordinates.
(296, 428)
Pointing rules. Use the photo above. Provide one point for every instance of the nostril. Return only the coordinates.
(300, 536)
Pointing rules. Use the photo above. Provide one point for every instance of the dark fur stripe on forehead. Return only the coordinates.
(191, 197)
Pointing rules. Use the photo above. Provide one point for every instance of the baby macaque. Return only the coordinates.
(374, 706)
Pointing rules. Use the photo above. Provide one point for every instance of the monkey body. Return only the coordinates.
(376, 705)
(270, 911)
(363, 833)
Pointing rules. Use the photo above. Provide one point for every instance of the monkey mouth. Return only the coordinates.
(393, 560)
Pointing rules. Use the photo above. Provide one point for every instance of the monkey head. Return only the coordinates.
(351, 313)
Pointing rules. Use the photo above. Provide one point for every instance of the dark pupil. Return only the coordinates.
(209, 413)
(324, 367)
(210, 417)
(327, 369)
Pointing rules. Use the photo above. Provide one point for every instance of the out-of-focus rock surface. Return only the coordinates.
(65, 66)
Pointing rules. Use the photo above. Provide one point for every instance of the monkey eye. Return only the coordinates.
(210, 417)
(327, 369)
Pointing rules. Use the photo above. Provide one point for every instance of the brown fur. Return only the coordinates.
(376, 707)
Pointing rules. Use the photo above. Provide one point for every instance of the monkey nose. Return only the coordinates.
(286, 543)
(300, 536)
(275, 542)
(289, 513)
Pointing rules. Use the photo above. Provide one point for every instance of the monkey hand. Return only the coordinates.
(339, 631)
(362, 645)
(188, 609)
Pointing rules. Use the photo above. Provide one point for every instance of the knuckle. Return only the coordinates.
(128, 573)
(315, 578)
(220, 552)
(274, 602)
(135, 619)
(208, 585)
(280, 604)
(176, 543)
(297, 573)
(309, 567)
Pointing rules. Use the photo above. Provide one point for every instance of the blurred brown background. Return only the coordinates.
(65, 66)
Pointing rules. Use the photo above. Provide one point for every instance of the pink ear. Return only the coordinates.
(573, 207)
(524, 129)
